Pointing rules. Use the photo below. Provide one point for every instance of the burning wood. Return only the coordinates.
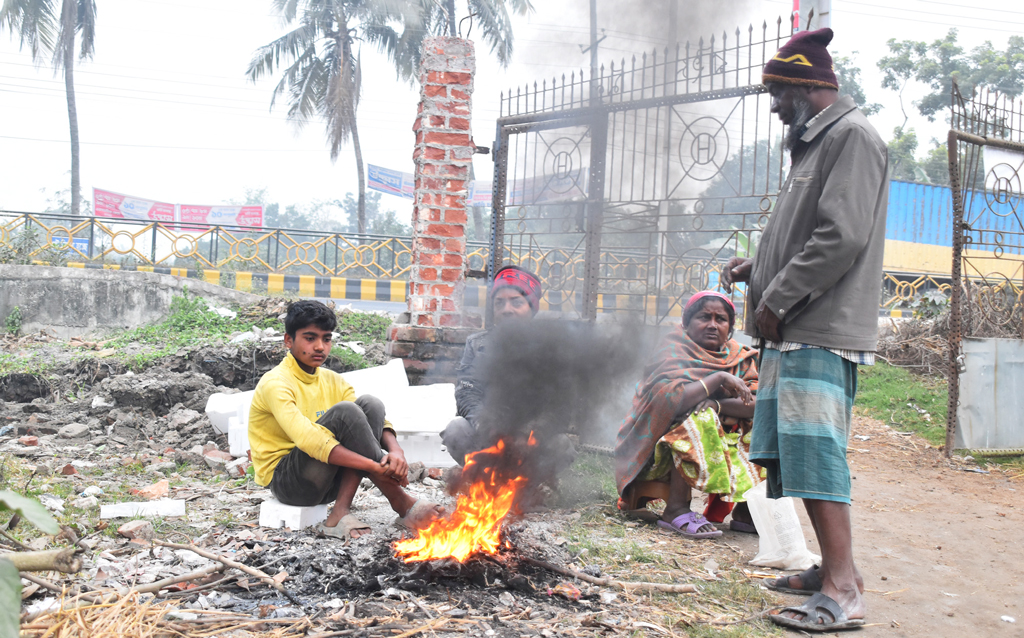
(491, 480)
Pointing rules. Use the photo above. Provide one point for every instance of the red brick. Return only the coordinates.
(423, 320)
(458, 123)
(446, 230)
(400, 349)
(433, 153)
(430, 259)
(430, 184)
(426, 243)
(414, 334)
(454, 260)
(435, 90)
(447, 139)
(453, 107)
(459, 95)
(452, 320)
(419, 366)
(427, 169)
(454, 204)
(448, 305)
(417, 124)
(455, 245)
(451, 274)
(441, 290)
(434, 214)
(419, 137)
(428, 274)
(29, 440)
(437, 120)
(451, 185)
(448, 77)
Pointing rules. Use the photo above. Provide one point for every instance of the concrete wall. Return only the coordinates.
(76, 302)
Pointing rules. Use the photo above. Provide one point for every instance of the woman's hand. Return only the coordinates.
(708, 403)
(733, 386)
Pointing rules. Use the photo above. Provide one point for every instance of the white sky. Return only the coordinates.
(165, 112)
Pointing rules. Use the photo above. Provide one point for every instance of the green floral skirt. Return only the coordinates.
(707, 457)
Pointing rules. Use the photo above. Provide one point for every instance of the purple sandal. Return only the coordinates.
(693, 522)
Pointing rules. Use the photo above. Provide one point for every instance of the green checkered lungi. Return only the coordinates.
(802, 423)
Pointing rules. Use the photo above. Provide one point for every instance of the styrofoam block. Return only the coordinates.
(378, 381)
(425, 448)
(274, 513)
(243, 407)
(238, 437)
(221, 406)
(420, 408)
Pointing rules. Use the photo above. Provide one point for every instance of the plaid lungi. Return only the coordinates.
(802, 423)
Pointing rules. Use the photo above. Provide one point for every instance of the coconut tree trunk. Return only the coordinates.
(450, 7)
(361, 205)
(69, 90)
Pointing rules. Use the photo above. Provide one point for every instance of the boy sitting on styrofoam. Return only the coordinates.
(312, 440)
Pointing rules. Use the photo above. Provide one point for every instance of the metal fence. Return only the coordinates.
(672, 158)
(986, 166)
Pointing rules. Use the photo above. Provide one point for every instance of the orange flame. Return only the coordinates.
(475, 526)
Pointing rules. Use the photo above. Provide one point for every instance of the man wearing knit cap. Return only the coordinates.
(813, 291)
(514, 296)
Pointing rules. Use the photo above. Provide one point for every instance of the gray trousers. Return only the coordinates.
(301, 480)
(461, 438)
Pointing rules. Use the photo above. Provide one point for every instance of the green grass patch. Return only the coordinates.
(365, 327)
(904, 401)
(590, 480)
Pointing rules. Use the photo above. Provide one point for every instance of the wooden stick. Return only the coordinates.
(61, 560)
(608, 582)
(433, 624)
(167, 582)
(232, 563)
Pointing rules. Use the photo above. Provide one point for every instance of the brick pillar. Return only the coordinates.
(430, 336)
(444, 150)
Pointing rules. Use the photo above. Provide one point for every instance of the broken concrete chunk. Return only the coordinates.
(73, 431)
(237, 468)
(99, 402)
(53, 503)
(137, 530)
(218, 460)
(416, 472)
(182, 418)
(86, 503)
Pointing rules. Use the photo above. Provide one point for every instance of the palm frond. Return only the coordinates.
(87, 27)
(307, 91)
(290, 46)
(342, 95)
(34, 24)
(493, 21)
(66, 28)
(293, 75)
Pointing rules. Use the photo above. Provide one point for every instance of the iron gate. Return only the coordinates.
(626, 191)
(986, 169)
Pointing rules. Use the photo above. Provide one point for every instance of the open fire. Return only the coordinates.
(491, 480)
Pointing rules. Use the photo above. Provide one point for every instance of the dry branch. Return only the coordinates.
(608, 582)
(252, 571)
(61, 560)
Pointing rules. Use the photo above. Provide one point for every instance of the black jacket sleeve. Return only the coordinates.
(469, 385)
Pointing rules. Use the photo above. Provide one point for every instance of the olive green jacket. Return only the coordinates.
(819, 262)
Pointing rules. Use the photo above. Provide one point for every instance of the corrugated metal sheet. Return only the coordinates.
(991, 401)
(923, 214)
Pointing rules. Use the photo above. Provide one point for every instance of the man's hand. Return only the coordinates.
(396, 467)
(768, 324)
(736, 271)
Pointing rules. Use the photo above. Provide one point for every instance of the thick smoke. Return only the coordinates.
(552, 377)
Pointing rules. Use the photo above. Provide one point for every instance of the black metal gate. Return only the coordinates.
(627, 191)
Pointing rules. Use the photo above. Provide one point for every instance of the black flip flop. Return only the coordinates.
(809, 578)
(811, 610)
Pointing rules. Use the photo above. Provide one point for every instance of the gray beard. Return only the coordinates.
(801, 115)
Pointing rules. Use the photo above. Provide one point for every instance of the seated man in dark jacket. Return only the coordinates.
(515, 296)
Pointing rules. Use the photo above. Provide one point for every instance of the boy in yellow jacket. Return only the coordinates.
(312, 440)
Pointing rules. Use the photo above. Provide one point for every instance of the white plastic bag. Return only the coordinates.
(782, 543)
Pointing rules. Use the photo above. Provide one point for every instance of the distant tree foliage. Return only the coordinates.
(939, 63)
(848, 74)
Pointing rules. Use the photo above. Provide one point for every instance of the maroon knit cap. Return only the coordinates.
(804, 60)
(522, 280)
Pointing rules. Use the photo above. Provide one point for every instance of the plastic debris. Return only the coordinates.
(566, 590)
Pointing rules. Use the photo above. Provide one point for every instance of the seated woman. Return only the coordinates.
(699, 379)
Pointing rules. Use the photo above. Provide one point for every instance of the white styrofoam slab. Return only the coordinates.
(238, 439)
(221, 406)
(379, 380)
(274, 513)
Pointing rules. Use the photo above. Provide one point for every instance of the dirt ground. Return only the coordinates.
(940, 548)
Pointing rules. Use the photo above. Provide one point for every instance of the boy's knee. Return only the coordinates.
(344, 410)
(370, 404)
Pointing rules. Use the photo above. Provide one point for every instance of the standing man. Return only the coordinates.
(813, 292)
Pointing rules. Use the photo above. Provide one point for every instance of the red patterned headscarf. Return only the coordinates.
(522, 280)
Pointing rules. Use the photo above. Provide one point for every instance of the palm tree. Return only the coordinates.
(49, 27)
(323, 76)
